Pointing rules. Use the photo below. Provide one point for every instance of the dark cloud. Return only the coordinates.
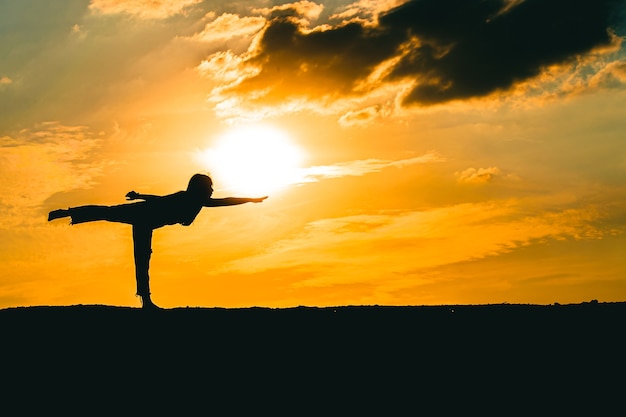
(453, 49)
(488, 50)
(327, 62)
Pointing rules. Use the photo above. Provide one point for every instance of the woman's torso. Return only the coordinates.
(171, 209)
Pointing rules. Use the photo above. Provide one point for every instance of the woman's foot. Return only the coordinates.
(57, 214)
(148, 305)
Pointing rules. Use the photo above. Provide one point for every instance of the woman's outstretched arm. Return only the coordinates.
(231, 201)
(132, 195)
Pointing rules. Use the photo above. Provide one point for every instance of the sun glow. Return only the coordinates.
(253, 161)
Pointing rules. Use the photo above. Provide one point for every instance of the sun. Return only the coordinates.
(253, 160)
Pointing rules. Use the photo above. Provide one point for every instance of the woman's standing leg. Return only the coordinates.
(142, 245)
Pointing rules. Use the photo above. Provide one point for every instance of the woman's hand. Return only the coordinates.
(257, 200)
(132, 195)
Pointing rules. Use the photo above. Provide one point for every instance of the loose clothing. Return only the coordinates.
(175, 208)
(144, 216)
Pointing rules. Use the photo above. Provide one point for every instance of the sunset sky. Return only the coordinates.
(419, 152)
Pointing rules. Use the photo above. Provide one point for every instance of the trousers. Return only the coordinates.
(135, 215)
(142, 249)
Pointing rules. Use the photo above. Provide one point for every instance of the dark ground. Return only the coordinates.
(444, 360)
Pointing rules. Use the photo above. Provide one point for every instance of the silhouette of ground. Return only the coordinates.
(503, 359)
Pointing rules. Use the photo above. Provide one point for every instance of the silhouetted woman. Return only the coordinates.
(154, 212)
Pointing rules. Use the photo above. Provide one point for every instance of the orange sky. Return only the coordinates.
(424, 152)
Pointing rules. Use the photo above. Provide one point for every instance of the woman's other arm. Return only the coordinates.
(132, 195)
(231, 201)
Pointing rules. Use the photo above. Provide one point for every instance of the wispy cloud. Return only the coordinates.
(305, 9)
(362, 167)
(482, 175)
(365, 10)
(144, 9)
(364, 115)
(611, 76)
(225, 68)
(375, 247)
(228, 26)
(41, 161)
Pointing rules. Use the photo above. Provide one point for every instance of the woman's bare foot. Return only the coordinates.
(147, 304)
(57, 214)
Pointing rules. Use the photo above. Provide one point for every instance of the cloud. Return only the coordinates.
(472, 49)
(388, 246)
(41, 161)
(306, 9)
(487, 175)
(444, 50)
(228, 26)
(299, 176)
(78, 32)
(363, 167)
(365, 10)
(224, 67)
(144, 9)
(478, 176)
(612, 76)
(363, 116)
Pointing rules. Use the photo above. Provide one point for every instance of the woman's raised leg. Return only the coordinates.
(122, 213)
(58, 214)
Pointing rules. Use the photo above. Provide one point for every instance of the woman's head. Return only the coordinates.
(200, 186)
